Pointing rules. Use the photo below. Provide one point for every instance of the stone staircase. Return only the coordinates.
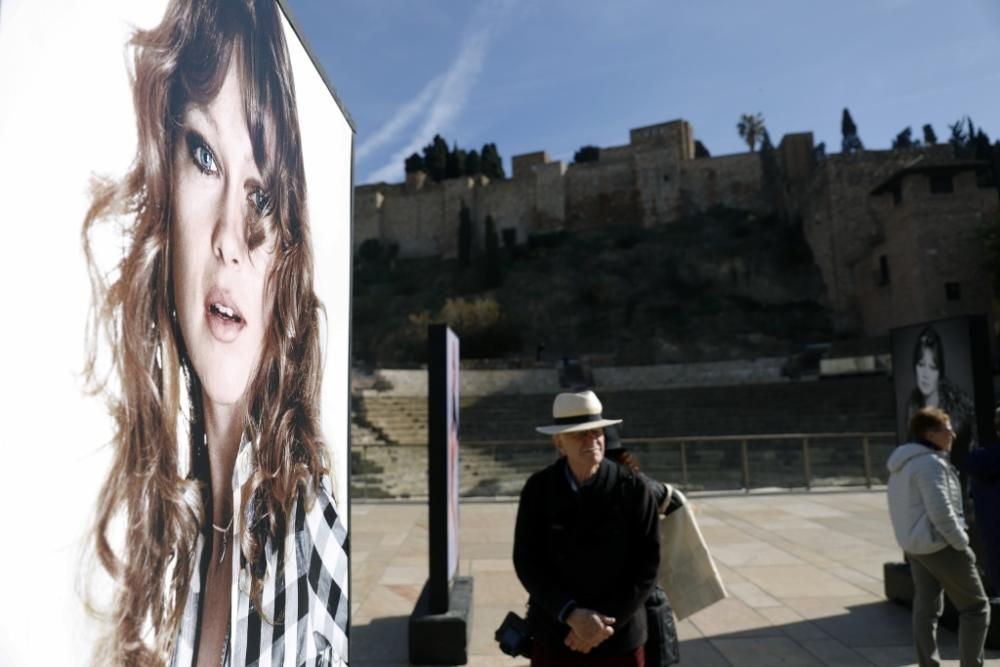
(401, 472)
(500, 447)
(853, 404)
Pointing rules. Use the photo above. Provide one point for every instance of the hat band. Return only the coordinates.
(578, 419)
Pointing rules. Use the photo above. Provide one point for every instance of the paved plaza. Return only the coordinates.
(803, 570)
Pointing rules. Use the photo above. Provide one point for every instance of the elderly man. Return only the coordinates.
(925, 504)
(586, 546)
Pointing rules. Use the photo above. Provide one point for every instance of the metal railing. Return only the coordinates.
(865, 440)
(652, 452)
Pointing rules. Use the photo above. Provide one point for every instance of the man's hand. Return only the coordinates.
(574, 643)
(587, 629)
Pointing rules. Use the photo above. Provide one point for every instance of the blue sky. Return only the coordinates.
(555, 75)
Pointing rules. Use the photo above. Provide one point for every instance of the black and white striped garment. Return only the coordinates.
(304, 597)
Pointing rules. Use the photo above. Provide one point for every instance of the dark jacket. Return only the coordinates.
(598, 547)
(983, 468)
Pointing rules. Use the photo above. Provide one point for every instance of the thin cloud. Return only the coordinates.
(447, 93)
(452, 94)
(400, 120)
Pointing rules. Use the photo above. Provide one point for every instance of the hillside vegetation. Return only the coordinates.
(724, 284)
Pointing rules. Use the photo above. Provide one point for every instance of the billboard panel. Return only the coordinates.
(945, 364)
(240, 162)
(443, 379)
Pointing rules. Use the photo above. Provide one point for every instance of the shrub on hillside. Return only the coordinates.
(370, 250)
(484, 329)
(587, 154)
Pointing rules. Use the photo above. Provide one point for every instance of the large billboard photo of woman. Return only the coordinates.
(206, 304)
(940, 364)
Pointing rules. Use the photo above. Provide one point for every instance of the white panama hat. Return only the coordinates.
(576, 412)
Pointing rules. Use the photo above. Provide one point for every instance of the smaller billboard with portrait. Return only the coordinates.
(945, 364)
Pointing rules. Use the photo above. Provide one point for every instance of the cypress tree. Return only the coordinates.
(464, 237)
(587, 154)
(850, 141)
(904, 139)
(490, 162)
(436, 158)
(492, 277)
(472, 166)
(415, 163)
(455, 163)
(930, 138)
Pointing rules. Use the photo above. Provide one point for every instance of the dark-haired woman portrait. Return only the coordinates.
(934, 390)
(232, 551)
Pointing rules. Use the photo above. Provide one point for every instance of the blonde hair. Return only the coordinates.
(926, 420)
(159, 492)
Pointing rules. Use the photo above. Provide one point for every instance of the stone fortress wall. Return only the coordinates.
(856, 233)
(835, 207)
(927, 261)
(653, 179)
(656, 179)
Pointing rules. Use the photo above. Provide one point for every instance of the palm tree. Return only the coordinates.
(751, 128)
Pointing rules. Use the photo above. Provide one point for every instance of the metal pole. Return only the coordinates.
(868, 461)
(684, 465)
(806, 464)
(745, 460)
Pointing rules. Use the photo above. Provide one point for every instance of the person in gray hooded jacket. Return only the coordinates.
(925, 504)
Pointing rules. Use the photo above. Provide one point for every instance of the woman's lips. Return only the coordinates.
(225, 320)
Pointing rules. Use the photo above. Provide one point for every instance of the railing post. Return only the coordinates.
(745, 460)
(806, 463)
(868, 461)
(684, 466)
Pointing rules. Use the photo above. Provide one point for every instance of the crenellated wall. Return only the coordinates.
(510, 203)
(652, 180)
(655, 179)
(550, 197)
(890, 248)
(600, 193)
(368, 200)
(729, 180)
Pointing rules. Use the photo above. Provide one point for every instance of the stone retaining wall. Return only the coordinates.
(546, 380)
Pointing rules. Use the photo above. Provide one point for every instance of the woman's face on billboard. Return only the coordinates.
(219, 280)
(927, 373)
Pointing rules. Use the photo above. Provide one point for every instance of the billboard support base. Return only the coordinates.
(442, 639)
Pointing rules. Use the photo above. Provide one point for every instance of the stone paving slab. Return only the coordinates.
(804, 573)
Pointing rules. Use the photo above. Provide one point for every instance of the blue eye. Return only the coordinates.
(261, 201)
(204, 159)
(201, 154)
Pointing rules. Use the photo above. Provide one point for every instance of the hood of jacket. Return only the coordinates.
(906, 453)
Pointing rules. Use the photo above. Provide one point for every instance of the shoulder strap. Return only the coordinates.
(666, 500)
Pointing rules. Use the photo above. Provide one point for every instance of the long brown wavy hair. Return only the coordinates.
(158, 483)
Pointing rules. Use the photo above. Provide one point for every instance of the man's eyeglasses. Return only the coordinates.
(586, 435)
